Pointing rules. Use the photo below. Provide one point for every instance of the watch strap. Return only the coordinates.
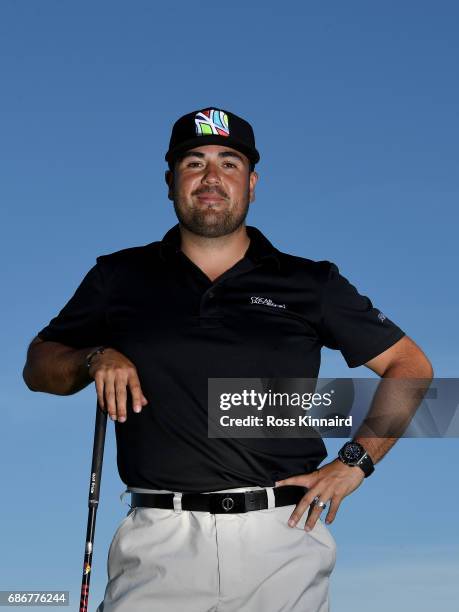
(366, 464)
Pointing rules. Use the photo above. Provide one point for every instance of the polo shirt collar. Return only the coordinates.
(260, 248)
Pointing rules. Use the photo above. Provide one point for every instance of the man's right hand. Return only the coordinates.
(114, 374)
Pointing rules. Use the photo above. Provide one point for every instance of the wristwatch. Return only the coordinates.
(353, 453)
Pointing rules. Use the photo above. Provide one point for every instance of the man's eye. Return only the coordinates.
(197, 164)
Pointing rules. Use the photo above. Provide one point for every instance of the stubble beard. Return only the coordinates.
(210, 221)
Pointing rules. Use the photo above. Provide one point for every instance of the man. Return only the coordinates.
(216, 524)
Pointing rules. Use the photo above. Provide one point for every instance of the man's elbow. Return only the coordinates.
(32, 378)
(29, 372)
(413, 365)
(28, 378)
(40, 374)
(419, 361)
(423, 368)
(37, 383)
(429, 369)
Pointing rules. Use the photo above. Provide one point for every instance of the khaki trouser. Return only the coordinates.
(185, 561)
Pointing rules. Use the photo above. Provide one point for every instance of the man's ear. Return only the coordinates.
(253, 178)
(169, 177)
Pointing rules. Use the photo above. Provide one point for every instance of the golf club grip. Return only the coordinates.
(93, 502)
(97, 456)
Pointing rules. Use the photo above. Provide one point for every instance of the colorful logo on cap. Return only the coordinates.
(211, 121)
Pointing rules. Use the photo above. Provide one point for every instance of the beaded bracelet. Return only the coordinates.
(98, 351)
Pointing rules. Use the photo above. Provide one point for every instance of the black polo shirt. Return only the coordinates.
(267, 316)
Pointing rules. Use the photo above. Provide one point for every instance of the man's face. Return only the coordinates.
(211, 188)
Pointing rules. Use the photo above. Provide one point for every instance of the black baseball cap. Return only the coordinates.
(212, 126)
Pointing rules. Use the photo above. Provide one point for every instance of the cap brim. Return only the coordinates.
(201, 141)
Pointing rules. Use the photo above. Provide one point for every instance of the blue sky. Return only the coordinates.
(354, 106)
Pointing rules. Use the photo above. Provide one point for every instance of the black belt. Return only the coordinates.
(220, 503)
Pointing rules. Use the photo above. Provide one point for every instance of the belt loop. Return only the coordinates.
(121, 498)
(271, 498)
(178, 502)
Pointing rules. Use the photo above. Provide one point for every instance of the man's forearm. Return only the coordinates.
(395, 402)
(52, 367)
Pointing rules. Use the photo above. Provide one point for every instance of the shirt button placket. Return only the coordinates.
(209, 308)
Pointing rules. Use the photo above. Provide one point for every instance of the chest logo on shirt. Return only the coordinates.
(381, 317)
(265, 302)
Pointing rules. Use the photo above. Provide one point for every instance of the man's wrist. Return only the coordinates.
(99, 350)
(354, 454)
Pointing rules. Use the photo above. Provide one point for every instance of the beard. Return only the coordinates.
(210, 221)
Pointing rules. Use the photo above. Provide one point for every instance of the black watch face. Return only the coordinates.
(352, 452)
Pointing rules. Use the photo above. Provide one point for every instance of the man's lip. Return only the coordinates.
(209, 197)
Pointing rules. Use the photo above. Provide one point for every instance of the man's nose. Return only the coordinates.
(211, 175)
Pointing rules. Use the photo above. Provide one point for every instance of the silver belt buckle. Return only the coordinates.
(227, 503)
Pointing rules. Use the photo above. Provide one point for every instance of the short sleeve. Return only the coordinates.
(351, 324)
(82, 322)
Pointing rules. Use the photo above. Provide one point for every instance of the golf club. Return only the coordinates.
(93, 502)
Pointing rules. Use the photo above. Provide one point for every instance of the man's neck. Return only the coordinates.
(215, 255)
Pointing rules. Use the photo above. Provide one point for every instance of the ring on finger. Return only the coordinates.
(320, 504)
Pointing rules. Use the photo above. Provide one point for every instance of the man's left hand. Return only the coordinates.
(331, 483)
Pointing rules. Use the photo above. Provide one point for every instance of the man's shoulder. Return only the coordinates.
(130, 254)
(318, 270)
(128, 262)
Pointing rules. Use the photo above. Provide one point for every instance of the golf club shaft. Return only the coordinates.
(93, 502)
